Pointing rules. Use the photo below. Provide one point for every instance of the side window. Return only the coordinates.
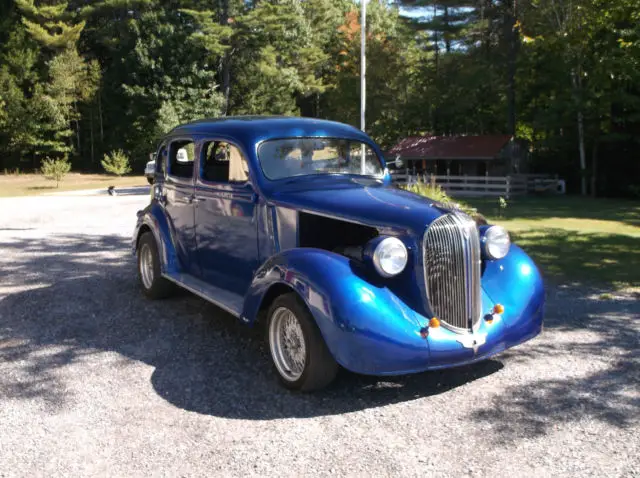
(223, 163)
(181, 156)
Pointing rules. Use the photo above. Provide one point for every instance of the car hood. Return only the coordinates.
(374, 205)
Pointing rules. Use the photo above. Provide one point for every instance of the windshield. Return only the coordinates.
(284, 158)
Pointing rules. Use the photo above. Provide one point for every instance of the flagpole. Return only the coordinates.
(363, 76)
(363, 63)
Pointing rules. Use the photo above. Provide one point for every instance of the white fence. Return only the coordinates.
(488, 186)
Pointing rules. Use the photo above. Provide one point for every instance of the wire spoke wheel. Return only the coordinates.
(287, 344)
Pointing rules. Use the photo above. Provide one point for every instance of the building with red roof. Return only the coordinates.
(495, 155)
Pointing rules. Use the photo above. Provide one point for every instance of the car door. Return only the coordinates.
(178, 200)
(226, 225)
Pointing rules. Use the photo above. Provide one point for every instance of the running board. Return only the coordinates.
(224, 299)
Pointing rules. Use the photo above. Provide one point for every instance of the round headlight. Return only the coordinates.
(390, 257)
(496, 242)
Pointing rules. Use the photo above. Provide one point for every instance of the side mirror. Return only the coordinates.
(398, 163)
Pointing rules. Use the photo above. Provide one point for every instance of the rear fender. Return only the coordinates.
(155, 219)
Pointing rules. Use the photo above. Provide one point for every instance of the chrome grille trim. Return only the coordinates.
(451, 247)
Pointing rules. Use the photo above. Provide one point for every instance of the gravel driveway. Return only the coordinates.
(97, 380)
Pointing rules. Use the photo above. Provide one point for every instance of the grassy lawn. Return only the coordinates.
(34, 184)
(579, 240)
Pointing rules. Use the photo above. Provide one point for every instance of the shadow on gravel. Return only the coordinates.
(84, 300)
(204, 359)
(602, 336)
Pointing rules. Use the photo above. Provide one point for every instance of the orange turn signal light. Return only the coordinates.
(434, 322)
(498, 309)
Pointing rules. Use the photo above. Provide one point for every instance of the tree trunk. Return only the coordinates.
(594, 168)
(100, 116)
(514, 41)
(436, 110)
(78, 138)
(445, 30)
(583, 159)
(226, 60)
(577, 83)
(93, 157)
(226, 81)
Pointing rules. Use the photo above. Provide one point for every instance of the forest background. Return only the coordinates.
(82, 78)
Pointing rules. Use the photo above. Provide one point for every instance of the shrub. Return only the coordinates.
(117, 163)
(435, 192)
(55, 169)
(502, 206)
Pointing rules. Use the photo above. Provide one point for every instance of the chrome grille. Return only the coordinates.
(452, 270)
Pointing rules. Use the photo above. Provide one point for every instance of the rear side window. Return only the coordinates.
(223, 163)
(181, 158)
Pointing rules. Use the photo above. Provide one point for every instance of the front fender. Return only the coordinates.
(516, 283)
(155, 219)
(367, 328)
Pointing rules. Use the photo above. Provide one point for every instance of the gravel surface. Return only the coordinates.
(97, 380)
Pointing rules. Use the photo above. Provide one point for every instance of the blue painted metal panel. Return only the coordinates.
(516, 283)
(180, 214)
(154, 217)
(227, 235)
(362, 201)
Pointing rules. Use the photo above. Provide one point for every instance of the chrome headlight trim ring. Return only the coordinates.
(496, 242)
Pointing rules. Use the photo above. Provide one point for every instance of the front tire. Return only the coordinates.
(150, 277)
(299, 353)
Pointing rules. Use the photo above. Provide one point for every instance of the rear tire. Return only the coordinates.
(150, 277)
(298, 350)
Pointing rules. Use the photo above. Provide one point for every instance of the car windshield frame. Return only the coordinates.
(318, 173)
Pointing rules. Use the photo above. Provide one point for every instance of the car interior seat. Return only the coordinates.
(216, 168)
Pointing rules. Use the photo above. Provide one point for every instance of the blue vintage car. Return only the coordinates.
(293, 222)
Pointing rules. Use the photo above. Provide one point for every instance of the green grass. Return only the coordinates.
(579, 240)
(35, 184)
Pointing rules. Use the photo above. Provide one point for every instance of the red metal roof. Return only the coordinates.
(450, 147)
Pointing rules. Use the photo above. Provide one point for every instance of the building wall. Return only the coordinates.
(467, 167)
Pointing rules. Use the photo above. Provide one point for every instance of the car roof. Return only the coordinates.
(260, 128)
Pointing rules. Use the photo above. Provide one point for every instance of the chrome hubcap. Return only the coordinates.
(146, 266)
(287, 344)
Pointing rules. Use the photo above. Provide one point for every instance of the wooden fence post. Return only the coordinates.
(508, 187)
(432, 181)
